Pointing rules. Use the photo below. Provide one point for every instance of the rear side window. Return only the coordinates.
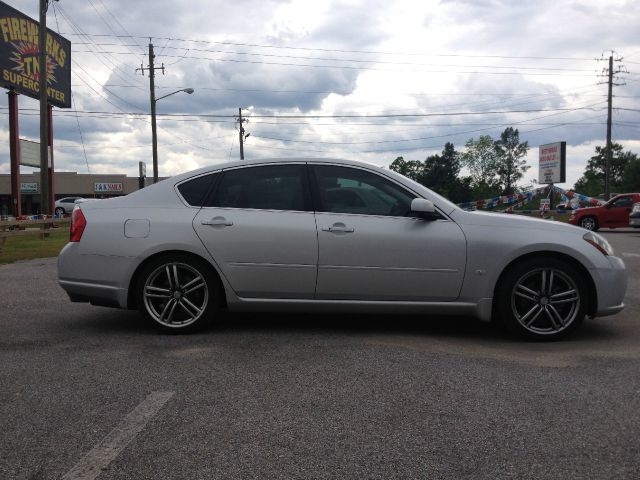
(194, 191)
(269, 187)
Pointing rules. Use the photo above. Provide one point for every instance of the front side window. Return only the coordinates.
(622, 202)
(350, 190)
(269, 187)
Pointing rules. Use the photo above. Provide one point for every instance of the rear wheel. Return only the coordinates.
(178, 293)
(59, 211)
(590, 223)
(542, 299)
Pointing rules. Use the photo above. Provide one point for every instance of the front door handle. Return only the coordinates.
(217, 222)
(338, 227)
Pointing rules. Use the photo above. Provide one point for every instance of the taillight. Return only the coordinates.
(78, 222)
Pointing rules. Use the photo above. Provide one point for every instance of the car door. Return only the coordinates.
(370, 248)
(617, 214)
(259, 228)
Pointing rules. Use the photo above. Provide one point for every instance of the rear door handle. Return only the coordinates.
(217, 222)
(338, 227)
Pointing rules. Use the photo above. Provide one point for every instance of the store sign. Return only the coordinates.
(105, 187)
(30, 153)
(552, 163)
(29, 187)
(19, 58)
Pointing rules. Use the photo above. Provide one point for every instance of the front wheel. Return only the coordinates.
(542, 299)
(178, 294)
(59, 211)
(589, 223)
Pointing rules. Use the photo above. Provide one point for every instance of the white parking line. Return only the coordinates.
(117, 439)
(631, 255)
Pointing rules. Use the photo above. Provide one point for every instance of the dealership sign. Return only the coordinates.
(552, 163)
(29, 187)
(19, 58)
(107, 187)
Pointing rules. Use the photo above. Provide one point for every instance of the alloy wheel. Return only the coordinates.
(588, 222)
(175, 295)
(545, 301)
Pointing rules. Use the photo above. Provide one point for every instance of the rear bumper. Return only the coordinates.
(105, 286)
(102, 295)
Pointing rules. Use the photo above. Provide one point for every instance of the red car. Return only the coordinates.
(613, 214)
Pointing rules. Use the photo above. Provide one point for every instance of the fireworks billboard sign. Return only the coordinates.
(19, 63)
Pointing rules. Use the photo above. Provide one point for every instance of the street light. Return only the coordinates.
(154, 135)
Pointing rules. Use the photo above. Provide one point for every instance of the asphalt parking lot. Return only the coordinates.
(90, 392)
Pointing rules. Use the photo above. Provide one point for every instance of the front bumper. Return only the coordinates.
(634, 222)
(611, 285)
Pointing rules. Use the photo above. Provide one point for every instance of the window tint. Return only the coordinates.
(272, 187)
(193, 191)
(349, 190)
(623, 202)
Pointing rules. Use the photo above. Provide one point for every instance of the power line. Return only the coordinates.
(360, 68)
(352, 60)
(366, 52)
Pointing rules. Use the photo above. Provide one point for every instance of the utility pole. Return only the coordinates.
(152, 97)
(609, 151)
(607, 164)
(241, 131)
(44, 114)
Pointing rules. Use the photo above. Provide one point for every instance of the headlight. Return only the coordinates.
(599, 242)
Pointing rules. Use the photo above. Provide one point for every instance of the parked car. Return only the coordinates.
(278, 235)
(572, 204)
(613, 214)
(65, 205)
(634, 216)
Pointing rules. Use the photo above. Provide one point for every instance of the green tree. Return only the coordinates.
(631, 175)
(441, 174)
(412, 169)
(592, 181)
(510, 156)
(481, 159)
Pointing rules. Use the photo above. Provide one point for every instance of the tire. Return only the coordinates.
(542, 299)
(590, 223)
(178, 293)
(60, 211)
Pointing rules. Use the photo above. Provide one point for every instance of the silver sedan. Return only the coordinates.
(331, 235)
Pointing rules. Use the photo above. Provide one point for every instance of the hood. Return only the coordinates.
(513, 220)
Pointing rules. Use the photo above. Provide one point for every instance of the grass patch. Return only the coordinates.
(32, 246)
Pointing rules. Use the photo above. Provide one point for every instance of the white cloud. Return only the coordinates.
(399, 57)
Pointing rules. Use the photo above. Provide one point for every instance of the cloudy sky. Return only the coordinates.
(369, 80)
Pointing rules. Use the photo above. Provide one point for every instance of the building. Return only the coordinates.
(67, 184)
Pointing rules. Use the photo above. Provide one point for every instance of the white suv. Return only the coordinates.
(634, 216)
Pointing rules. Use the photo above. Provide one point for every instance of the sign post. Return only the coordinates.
(552, 166)
(14, 153)
(142, 168)
(23, 70)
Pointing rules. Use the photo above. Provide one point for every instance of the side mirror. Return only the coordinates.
(424, 209)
